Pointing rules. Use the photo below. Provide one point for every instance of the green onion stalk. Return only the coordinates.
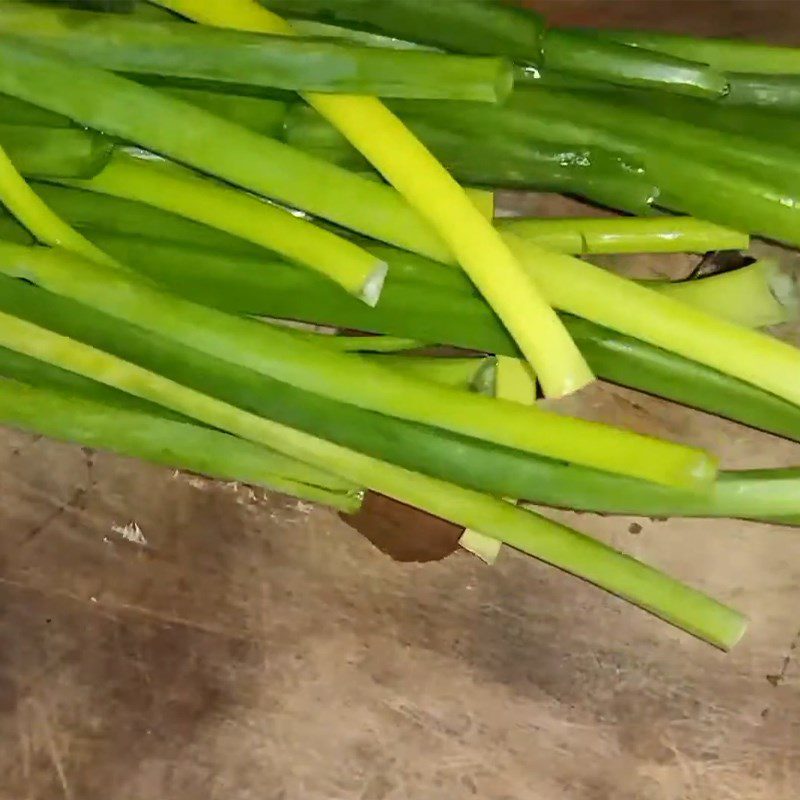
(462, 460)
(496, 161)
(92, 212)
(45, 225)
(262, 115)
(408, 166)
(599, 235)
(352, 379)
(756, 123)
(178, 190)
(518, 528)
(477, 374)
(246, 285)
(727, 55)
(496, 29)
(168, 126)
(462, 26)
(774, 92)
(606, 299)
(188, 134)
(127, 44)
(583, 54)
(41, 152)
(625, 123)
(171, 443)
(691, 176)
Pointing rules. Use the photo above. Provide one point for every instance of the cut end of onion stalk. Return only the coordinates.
(784, 289)
(754, 296)
(373, 286)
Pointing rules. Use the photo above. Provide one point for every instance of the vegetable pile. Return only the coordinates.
(182, 179)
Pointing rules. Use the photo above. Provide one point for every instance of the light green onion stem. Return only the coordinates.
(408, 166)
(515, 380)
(754, 296)
(172, 443)
(362, 344)
(32, 212)
(467, 374)
(606, 299)
(352, 379)
(173, 188)
(666, 234)
(535, 535)
(730, 55)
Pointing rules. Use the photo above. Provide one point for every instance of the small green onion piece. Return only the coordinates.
(176, 189)
(39, 151)
(172, 443)
(457, 459)
(584, 54)
(351, 378)
(591, 235)
(492, 159)
(754, 296)
(406, 164)
(483, 200)
(528, 532)
(587, 291)
(467, 374)
(484, 547)
(173, 49)
(730, 55)
(46, 226)
(515, 381)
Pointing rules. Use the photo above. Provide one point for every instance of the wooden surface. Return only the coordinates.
(250, 647)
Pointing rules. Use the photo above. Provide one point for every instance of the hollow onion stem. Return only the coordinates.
(171, 443)
(528, 532)
(176, 189)
(428, 313)
(590, 235)
(729, 55)
(466, 373)
(179, 130)
(406, 164)
(352, 379)
(615, 302)
(754, 296)
(34, 214)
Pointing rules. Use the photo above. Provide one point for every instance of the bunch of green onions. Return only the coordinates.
(183, 178)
